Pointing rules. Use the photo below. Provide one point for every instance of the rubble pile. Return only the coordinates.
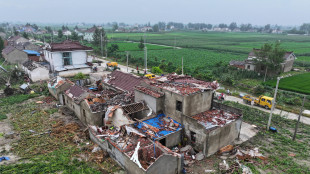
(48, 99)
(214, 118)
(149, 91)
(181, 88)
(158, 126)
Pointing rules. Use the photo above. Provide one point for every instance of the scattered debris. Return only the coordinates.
(214, 118)
(199, 156)
(134, 157)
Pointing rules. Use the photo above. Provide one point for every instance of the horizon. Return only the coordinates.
(289, 13)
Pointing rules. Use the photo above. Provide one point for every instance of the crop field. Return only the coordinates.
(132, 46)
(227, 44)
(191, 57)
(299, 83)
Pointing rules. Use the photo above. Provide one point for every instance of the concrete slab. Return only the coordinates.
(247, 132)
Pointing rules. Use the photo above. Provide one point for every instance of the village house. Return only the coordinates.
(89, 34)
(190, 102)
(36, 71)
(14, 40)
(67, 58)
(237, 64)
(286, 66)
(66, 32)
(14, 55)
(157, 113)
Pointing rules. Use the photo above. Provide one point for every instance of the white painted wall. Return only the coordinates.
(56, 61)
(70, 73)
(119, 118)
(88, 36)
(39, 74)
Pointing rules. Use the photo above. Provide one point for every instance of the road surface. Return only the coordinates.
(284, 114)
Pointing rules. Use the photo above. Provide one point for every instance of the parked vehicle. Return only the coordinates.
(150, 76)
(263, 101)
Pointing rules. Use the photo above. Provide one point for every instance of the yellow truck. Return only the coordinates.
(150, 76)
(112, 64)
(263, 101)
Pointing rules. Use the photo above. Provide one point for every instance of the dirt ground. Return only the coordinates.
(8, 136)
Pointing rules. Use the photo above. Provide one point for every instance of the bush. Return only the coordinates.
(156, 70)
(79, 76)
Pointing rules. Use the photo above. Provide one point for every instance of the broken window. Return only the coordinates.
(179, 106)
(163, 141)
(193, 137)
(249, 66)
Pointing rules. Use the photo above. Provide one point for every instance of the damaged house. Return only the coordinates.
(130, 112)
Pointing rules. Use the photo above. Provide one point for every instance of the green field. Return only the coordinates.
(299, 83)
(130, 46)
(227, 45)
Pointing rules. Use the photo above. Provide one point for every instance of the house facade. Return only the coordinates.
(286, 66)
(67, 58)
(35, 71)
(89, 33)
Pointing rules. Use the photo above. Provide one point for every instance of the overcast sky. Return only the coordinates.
(257, 12)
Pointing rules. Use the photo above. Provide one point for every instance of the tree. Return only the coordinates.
(115, 27)
(156, 70)
(2, 30)
(267, 28)
(156, 28)
(269, 58)
(305, 27)
(25, 35)
(113, 48)
(60, 35)
(97, 37)
(222, 25)
(15, 31)
(74, 36)
(141, 44)
(1, 45)
(233, 26)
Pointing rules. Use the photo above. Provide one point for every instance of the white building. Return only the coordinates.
(36, 71)
(89, 33)
(67, 58)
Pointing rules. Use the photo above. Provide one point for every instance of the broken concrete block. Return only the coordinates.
(199, 156)
(186, 148)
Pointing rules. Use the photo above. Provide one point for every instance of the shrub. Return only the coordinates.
(156, 70)
(79, 76)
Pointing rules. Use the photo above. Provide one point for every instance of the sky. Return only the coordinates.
(256, 12)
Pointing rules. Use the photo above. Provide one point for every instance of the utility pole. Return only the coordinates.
(182, 66)
(127, 59)
(273, 102)
(301, 109)
(101, 43)
(145, 54)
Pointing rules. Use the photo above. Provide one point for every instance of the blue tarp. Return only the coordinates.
(158, 123)
(32, 52)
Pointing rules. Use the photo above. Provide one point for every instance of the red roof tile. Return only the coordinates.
(68, 46)
(124, 81)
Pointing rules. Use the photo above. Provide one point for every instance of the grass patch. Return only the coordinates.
(278, 146)
(3, 116)
(297, 83)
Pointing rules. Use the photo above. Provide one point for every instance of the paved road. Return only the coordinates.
(284, 114)
(122, 67)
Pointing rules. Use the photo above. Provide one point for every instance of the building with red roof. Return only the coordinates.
(67, 58)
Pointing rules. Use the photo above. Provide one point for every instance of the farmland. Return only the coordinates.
(226, 46)
(299, 83)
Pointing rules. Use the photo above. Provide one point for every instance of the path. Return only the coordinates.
(156, 44)
(288, 115)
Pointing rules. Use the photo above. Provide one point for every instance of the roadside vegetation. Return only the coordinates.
(284, 154)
